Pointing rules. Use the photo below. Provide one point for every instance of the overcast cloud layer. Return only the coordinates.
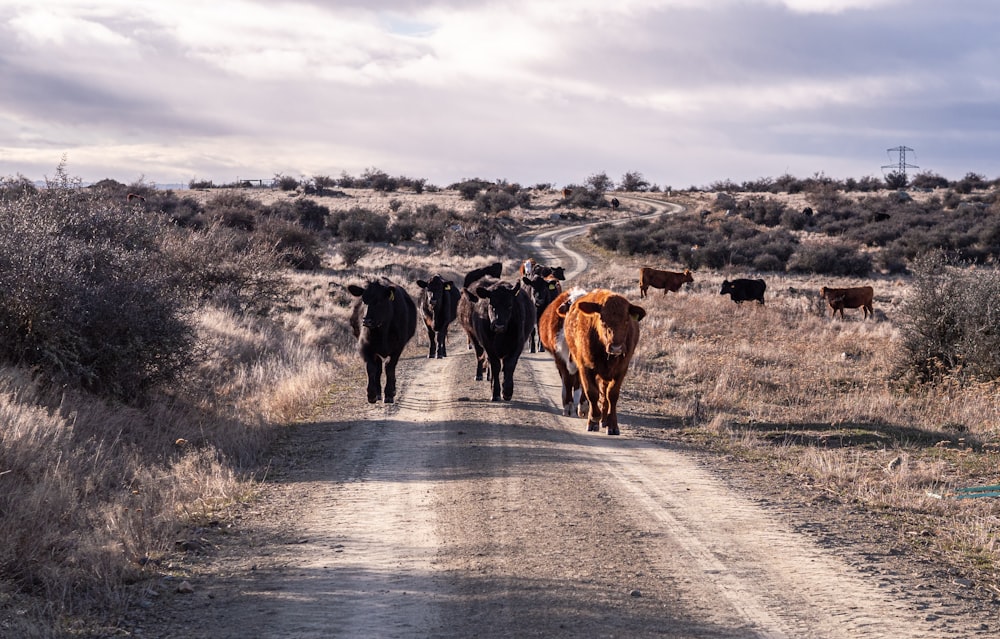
(686, 92)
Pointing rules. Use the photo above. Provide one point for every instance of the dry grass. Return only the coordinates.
(803, 395)
(94, 496)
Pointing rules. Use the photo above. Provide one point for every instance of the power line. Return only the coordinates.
(901, 165)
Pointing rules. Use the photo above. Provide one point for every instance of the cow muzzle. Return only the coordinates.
(498, 327)
(370, 323)
(616, 350)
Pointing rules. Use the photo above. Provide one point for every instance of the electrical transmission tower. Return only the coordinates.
(901, 165)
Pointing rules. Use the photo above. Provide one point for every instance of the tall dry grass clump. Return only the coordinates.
(146, 370)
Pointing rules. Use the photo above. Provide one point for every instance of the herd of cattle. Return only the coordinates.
(590, 335)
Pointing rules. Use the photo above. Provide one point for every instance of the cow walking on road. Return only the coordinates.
(542, 291)
(498, 317)
(439, 308)
(602, 331)
(383, 320)
(553, 337)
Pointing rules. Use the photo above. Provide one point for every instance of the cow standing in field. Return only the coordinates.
(553, 337)
(498, 317)
(602, 331)
(667, 280)
(744, 290)
(542, 290)
(383, 320)
(439, 308)
(856, 297)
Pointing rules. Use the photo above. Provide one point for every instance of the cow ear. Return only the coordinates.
(356, 290)
(526, 280)
(636, 312)
(470, 295)
(421, 283)
(592, 308)
(482, 291)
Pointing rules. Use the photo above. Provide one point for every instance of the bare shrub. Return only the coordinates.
(949, 324)
(86, 295)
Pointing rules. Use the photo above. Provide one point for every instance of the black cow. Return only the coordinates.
(384, 319)
(498, 317)
(615, 203)
(493, 270)
(744, 290)
(542, 290)
(439, 308)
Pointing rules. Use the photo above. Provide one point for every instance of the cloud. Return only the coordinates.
(531, 91)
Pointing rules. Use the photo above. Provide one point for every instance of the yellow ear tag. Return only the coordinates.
(447, 287)
(392, 296)
(552, 287)
(635, 316)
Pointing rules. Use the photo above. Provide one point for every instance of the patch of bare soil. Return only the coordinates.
(447, 515)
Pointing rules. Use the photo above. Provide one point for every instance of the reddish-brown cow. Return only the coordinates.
(602, 331)
(667, 280)
(841, 298)
(553, 338)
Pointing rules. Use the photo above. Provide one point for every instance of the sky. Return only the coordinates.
(684, 92)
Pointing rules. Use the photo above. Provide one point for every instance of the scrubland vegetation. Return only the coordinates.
(152, 351)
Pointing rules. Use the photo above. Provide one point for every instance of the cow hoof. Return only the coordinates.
(507, 397)
(593, 428)
(389, 400)
(496, 398)
(479, 378)
(613, 431)
(372, 400)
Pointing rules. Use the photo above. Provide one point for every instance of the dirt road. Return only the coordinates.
(447, 515)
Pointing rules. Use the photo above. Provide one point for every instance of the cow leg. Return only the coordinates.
(610, 393)
(480, 361)
(390, 379)
(442, 351)
(588, 380)
(430, 338)
(509, 364)
(495, 370)
(374, 367)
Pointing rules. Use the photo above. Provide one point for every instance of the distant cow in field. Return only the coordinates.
(498, 317)
(615, 204)
(553, 337)
(134, 196)
(439, 308)
(566, 193)
(493, 270)
(667, 280)
(602, 331)
(841, 298)
(744, 290)
(383, 320)
(542, 290)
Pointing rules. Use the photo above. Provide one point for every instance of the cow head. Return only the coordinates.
(542, 289)
(727, 287)
(687, 276)
(378, 299)
(501, 299)
(436, 290)
(614, 325)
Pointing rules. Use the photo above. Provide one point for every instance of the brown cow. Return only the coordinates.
(566, 193)
(602, 331)
(667, 280)
(553, 339)
(856, 297)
